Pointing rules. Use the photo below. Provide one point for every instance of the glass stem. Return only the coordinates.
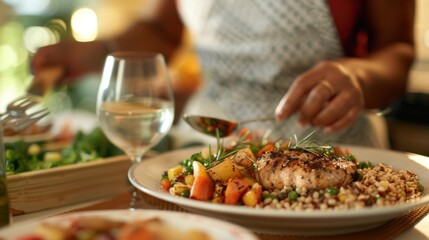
(137, 159)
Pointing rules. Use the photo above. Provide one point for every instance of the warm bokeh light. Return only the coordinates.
(29, 7)
(36, 37)
(58, 27)
(13, 57)
(8, 57)
(11, 90)
(84, 25)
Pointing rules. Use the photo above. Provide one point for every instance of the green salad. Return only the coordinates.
(23, 157)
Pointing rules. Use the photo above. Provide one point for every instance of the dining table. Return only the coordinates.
(412, 225)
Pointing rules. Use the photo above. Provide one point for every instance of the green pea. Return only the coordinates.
(292, 196)
(332, 191)
(185, 193)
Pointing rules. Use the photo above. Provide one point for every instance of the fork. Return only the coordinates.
(24, 121)
(19, 106)
(16, 116)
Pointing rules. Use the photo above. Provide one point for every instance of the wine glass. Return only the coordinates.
(135, 103)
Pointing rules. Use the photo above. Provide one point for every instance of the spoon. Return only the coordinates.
(209, 125)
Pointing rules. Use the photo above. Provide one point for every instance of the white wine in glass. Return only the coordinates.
(135, 103)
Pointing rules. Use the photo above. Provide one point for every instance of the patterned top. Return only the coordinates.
(251, 51)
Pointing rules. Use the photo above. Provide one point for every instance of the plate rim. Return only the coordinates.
(271, 213)
(227, 227)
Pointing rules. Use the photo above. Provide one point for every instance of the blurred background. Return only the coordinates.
(26, 25)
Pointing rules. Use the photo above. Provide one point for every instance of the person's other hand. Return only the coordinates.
(74, 58)
(327, 96)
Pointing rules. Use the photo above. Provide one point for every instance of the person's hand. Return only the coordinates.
(327, 96)
(74, 58)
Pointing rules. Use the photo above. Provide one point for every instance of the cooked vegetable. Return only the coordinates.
(203, 186)
(235, 189)
(178, 188)
(236, 173)
(267, 147)
(253, 196)
(292, 195)
(95, 227)
(189, 180)
(244, 157)
(175, 172)
(165, 184)
(224, 171)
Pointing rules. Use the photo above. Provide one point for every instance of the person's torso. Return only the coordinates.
(251, 51)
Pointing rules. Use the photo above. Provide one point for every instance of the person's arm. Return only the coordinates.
(160, 33)
(390, 27)
(332, 94)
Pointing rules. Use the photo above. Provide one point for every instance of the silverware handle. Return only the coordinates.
(266, 119)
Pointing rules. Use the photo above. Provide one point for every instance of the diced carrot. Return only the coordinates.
(202, 189)
(339, 151)
(346, 152)
(165, 184)
(245, 131)
(235, 189)
(203, 186)
(267, 147)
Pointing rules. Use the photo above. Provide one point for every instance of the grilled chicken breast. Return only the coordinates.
(280, 168)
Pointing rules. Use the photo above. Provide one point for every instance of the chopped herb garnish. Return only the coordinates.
(308, 145)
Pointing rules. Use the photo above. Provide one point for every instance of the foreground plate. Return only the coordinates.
(216, 229)
(146, 176)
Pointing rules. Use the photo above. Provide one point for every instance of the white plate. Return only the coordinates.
(216, 229)
(146, 176)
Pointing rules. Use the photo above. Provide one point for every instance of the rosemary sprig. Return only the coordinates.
(308, 145)
(305, 144)
(222, 153)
